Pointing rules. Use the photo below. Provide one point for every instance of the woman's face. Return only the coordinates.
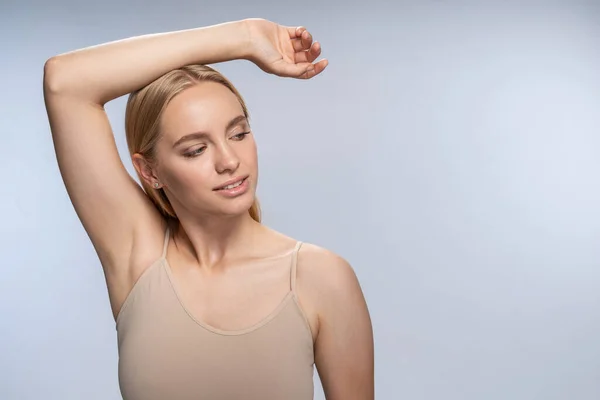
(205, 144)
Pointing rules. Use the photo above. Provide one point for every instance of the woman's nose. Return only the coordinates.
(227, 160)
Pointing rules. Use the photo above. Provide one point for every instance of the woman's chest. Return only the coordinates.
(165, 354)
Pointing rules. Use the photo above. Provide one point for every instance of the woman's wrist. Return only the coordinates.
(228, 41)
(244, 49)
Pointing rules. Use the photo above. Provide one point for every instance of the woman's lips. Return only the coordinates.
(235, 191)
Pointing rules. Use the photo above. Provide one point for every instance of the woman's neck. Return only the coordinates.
(211, 240)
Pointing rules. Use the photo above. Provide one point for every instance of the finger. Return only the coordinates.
(315, 70)
(306, 40)
(292, 70)
(314, 52)
(295, 31)
(310, 55)
(303, 42)
(297, 45)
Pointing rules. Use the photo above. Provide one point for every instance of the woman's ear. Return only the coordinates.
(146, 170)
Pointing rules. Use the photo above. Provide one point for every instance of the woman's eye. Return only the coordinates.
(240, 136)
(196, 152)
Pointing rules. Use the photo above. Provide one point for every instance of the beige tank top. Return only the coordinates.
(166, 354)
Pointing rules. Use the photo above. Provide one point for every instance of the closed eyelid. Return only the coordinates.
(241, 134)
(242, 127)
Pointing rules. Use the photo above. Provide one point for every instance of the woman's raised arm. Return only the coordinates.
(111, 206)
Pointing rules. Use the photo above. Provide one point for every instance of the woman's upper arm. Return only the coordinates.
(107, 200)
(344, 354)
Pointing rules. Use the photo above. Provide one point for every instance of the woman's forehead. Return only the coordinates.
(204, 107)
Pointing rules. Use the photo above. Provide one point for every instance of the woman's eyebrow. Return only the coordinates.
(202, 135)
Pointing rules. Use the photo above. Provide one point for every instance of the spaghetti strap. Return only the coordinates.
(293, 268)
(166, 243)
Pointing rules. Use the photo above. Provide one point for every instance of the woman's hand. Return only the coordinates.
(284, 51)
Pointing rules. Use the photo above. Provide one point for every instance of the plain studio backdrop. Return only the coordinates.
(450, 153)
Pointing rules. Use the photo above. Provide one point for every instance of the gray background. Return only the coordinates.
(449, 152)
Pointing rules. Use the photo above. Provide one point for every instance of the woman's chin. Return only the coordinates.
(238, 208)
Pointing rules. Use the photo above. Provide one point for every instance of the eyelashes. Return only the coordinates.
(194, 153)
(241, 136)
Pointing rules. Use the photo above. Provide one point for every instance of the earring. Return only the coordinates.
(156, 185)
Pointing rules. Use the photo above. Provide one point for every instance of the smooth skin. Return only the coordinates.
(213, 254)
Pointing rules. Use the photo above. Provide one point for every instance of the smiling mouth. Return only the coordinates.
(233, 185)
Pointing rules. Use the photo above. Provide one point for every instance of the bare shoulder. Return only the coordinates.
(325, 269)
(326, 281)
(338, 314)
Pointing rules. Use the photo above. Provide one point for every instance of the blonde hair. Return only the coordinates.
(142, 120)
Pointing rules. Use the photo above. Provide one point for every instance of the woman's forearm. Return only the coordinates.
(104, 72)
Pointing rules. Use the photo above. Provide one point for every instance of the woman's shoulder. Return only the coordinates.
(326, 285)
(325, 274)
(316, 266)
(322, 263)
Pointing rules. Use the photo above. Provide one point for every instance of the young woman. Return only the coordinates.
(209, 303)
